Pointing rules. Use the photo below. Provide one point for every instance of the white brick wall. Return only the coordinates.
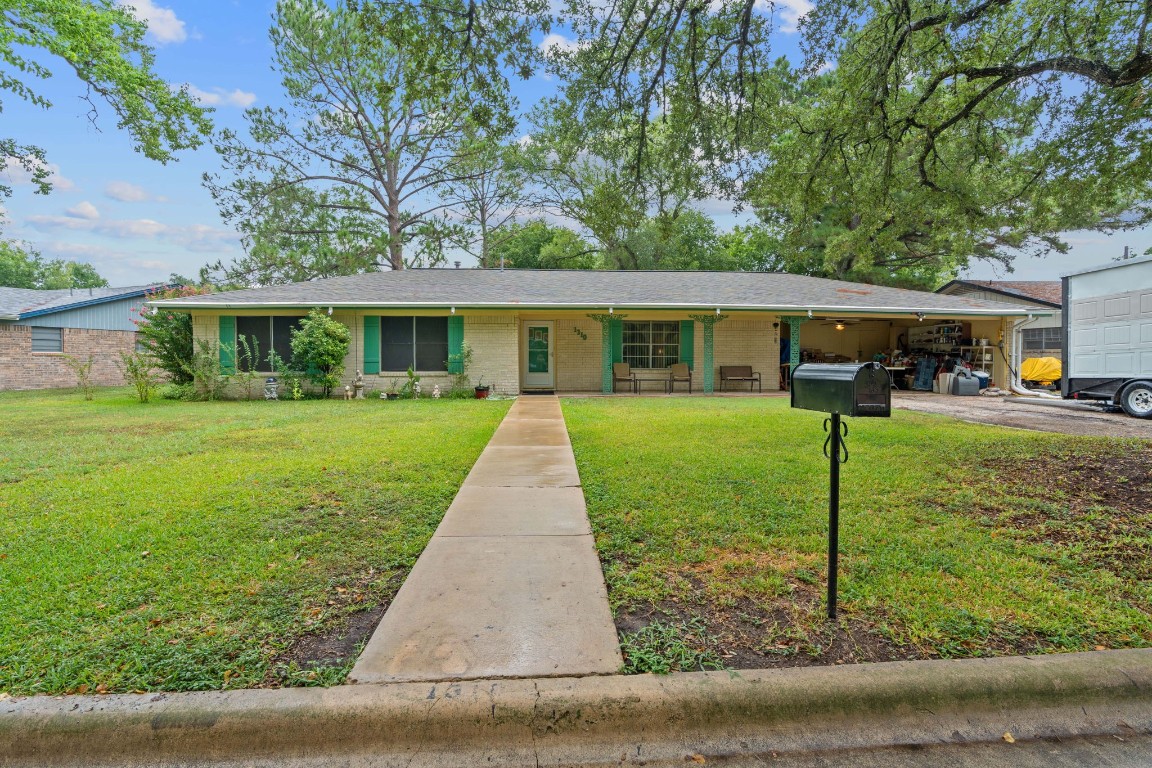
(577, 358)
(742, 339)
(495, 343)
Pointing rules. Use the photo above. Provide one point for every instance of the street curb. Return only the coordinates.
(595, 720)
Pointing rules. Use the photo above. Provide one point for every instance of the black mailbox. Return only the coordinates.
(847, 389)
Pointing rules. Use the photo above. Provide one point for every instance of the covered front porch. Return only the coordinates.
(574, 352)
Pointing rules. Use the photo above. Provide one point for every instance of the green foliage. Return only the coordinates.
(319, 347)
(139, 371)
(206, 372)
(83, 371)
(387, 104)
(686, 240)
(918, 136)
(247, 364)
(103, 44)
(166, 334)
(661, 648)
(23, 267)
(411, 387)
(211, 537)
(536, 244)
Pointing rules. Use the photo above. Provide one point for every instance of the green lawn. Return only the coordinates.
(956, 539)
(180, 546)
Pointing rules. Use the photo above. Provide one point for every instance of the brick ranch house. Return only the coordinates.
(562, 330)
(40, 329)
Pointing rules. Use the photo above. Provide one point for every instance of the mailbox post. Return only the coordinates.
(842, 389)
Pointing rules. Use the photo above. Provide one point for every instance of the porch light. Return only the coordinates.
(609, 310)
(920, 316)
(809, 314)
(840, 326)
(453, 310)
(717, 310)
(329, 311)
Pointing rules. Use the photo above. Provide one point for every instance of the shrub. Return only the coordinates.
(140, 371)
(247, 364)
(206, 372)
(83, 371)
(166, 335)
(319, 347)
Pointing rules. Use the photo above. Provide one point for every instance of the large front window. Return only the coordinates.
(419, 343)
(651, 344)
(264, 334)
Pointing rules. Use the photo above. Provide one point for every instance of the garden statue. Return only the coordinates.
(347, 393)
(436, 392)
(270, 389)
(358, 386)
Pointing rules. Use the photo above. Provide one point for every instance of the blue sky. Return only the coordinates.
(136, 220)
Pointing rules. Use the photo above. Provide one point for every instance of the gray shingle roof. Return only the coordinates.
(592, 290)
(19, 302)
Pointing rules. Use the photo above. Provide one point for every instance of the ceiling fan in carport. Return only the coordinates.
(838, 323)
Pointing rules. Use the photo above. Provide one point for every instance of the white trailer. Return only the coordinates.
(1108, 335)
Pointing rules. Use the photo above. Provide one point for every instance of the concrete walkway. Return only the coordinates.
(510, 585)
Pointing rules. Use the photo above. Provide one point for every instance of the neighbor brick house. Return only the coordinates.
(40, 329)
(562, 330)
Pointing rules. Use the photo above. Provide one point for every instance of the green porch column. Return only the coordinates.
(606, 355)
(709, 373)
(794, 345)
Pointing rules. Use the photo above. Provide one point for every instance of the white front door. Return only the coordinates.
(539, 368)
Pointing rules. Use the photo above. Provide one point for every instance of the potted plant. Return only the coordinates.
(481, 389)
(392, 393)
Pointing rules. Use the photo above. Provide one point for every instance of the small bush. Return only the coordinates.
(207, 372)
(83, 371)
(319, 347)
(140, 371)
(183, 392)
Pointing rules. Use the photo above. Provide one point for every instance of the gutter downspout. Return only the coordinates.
(1017, 385)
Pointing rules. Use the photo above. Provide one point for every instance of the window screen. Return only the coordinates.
(47, 339)
(396, 344)
(1036, 339)
(654, 344)
(420, 343)
(272, 334)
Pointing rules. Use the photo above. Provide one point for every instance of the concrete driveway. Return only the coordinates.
(1066, 417)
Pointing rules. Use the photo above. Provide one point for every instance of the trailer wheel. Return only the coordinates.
(1136, 400)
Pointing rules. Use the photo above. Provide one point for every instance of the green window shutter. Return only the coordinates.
(616, 331)
(687, 341)
(228, 343)
(455, 344)
(372, 344)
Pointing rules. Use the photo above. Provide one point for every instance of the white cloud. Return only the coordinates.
(195, 237)
(163, 25)
(84, 210)
(556, 43)
(220, 97)
(126, 192)
(791, 12)
(16, 175)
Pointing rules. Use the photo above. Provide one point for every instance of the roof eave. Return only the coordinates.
(783, 309)
(87, 303)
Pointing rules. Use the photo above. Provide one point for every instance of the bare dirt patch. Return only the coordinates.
(340, 628)
(791, 632)
(1096, 507)
(1068, 418)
